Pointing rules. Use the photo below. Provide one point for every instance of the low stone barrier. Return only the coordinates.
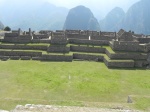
(108, 38)
(24, 47)
(88, 57)
(56, 58)
(25, 57)
(40, 40)
(134, 56)
(88, 42)
(119, 64)
(77, 36)
(58, 49)
(87, 49)
(141, 63)
(14, 57)
(20, 53)
(4, 58)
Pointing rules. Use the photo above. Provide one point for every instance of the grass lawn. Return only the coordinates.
(72, 83)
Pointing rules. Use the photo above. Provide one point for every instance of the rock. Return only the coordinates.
(81, 18)
(129, 100)
(19, 107)
(27, 106)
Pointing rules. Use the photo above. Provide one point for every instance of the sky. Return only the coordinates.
(98, 7)
(101, 6)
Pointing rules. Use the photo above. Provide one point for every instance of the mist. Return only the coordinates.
(99, 7)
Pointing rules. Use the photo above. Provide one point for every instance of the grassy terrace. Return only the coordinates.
(30, 44)
(72, 83)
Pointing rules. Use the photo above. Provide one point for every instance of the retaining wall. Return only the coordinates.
(24, 47)
(77, 36)
(56, 58)
(60, 40)
(40, 36)
(88, 42)
(144, 40)
(119, 64)
(59, 49)
(11, 35)
(40, 40)
(134, 56)
(87, 57)
(87, 49)
(108, 38)
(140, 63)
(126, 46)
(20, 53)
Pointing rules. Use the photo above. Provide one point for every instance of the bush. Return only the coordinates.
(7, 28)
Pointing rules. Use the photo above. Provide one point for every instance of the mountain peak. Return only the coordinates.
(112, 19)
(81, 18)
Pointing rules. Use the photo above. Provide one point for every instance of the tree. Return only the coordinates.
(7, 28)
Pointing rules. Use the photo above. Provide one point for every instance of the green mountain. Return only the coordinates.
(81, 18)
(112, 19)
(137, 18)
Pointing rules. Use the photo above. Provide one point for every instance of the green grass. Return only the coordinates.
(71, 83)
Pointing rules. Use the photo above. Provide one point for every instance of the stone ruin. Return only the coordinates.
(118, 50)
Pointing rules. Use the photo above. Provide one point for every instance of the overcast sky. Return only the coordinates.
(101, 6)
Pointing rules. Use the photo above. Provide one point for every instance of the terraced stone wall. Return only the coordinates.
(126, 46)
(56, 58)
(87, 49)
(20, 53)
(58, 49)
(87, 57)
(24, 47)
(88, 42)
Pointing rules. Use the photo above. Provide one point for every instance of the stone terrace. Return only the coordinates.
(116, 50)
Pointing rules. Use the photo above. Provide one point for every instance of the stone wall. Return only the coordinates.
(108, 38)
(20, 53)
(24, 47)
(88, 42)
(58, 49)
(42, 36)
(25, 57)
(88, 57)
(144, 40)
(73, 31)
(41, 41)
(134, 56)
(126, 36)
(87, 49)
(19, 39)
(14, 57)
(140, 63)
(119, 64)
(126, 46)
(110, 34)
(11, 35)
(77, 36)
(45, 32)
(56, 58)
(59, 40)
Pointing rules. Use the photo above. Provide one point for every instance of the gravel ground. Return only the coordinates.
(50, 108)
